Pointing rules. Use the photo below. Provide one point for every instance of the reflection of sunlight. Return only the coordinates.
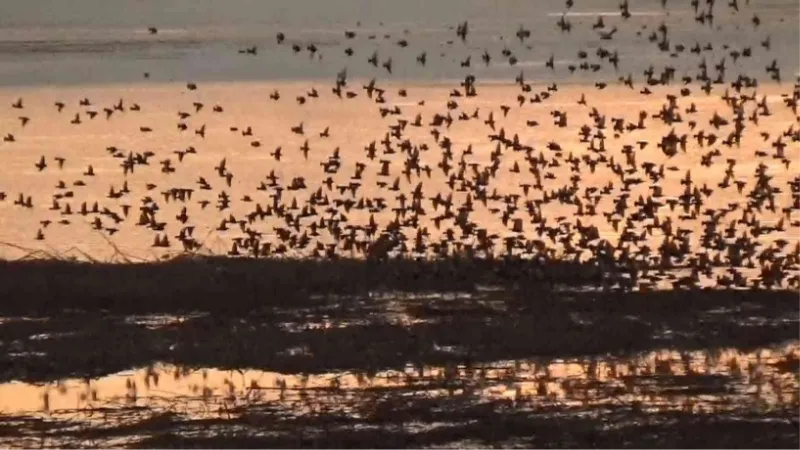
(702, 381)
(155, 321)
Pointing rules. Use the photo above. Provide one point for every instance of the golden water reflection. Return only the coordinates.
(702, 381)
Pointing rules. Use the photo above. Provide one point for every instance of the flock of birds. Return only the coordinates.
(398, 195)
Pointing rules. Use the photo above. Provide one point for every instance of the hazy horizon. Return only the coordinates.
(90, 41)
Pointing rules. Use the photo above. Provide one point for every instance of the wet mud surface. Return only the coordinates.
(472, 359)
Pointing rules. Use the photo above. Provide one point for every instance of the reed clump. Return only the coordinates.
(215, 283)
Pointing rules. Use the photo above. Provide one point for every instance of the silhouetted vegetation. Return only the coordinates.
(219, 284)
(365, 317)
(250, 301)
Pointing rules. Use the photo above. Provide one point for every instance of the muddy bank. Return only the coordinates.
(501, 428)
(294, 334)
(450, 338)
(391, 422)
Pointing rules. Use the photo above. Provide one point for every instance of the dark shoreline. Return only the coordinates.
(219, 284)
(246, 314)
(239, 309)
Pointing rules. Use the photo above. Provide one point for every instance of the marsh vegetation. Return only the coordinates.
(215, 353)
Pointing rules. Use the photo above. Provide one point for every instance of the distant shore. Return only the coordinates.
(199, 283)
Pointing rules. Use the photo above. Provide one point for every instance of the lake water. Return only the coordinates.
(92, 41)
(425, 371)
